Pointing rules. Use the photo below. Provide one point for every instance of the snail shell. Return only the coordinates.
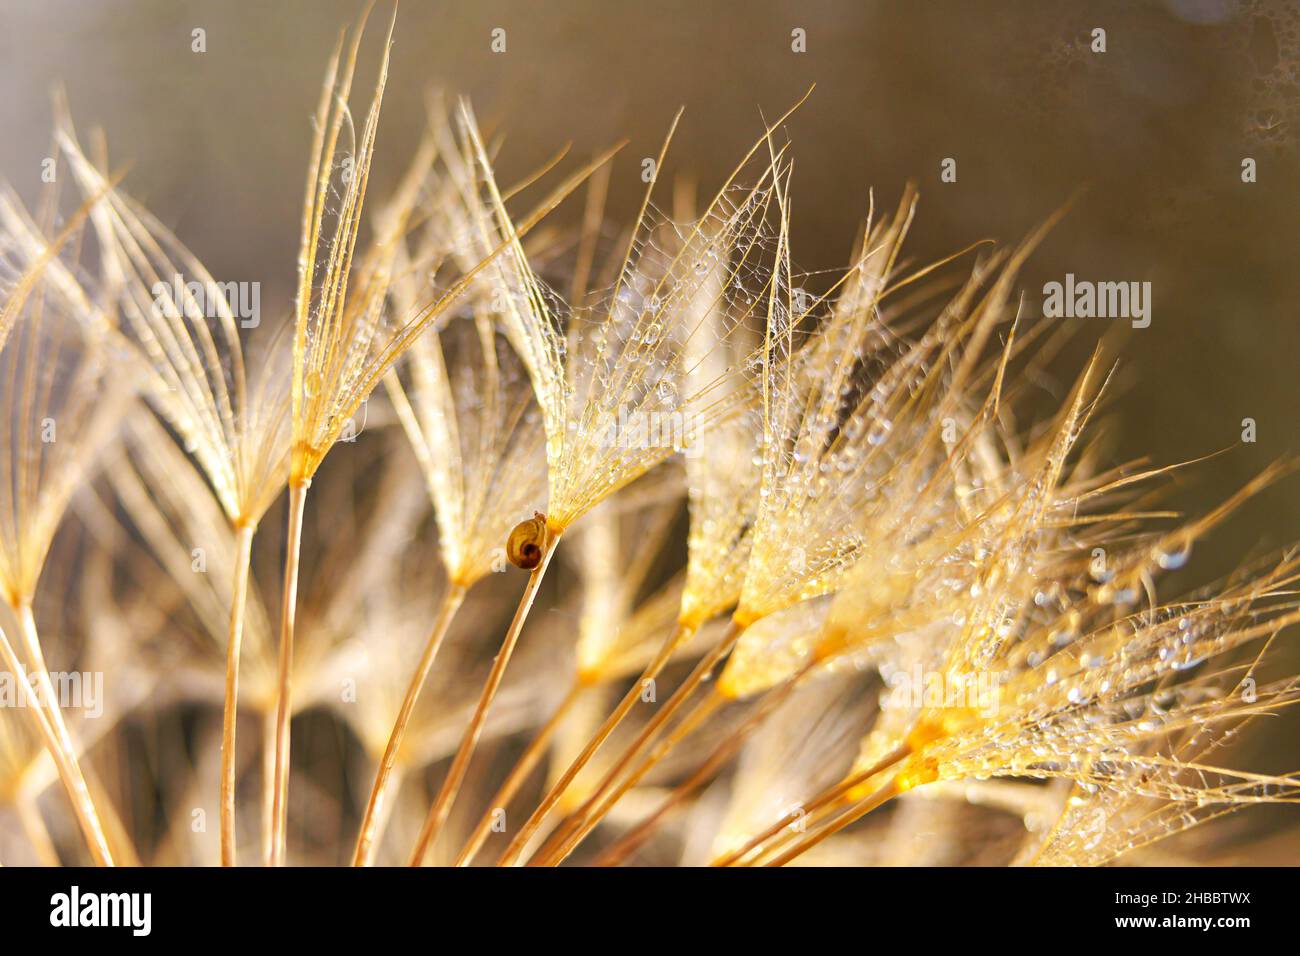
(526, 542)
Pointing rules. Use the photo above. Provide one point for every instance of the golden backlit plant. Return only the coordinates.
(58, 407)
(836, 572)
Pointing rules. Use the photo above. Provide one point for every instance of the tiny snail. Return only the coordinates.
(526, 541)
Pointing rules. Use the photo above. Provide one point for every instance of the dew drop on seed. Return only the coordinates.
(1172, 560)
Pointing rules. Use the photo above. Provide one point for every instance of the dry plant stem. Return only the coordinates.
(522, 768)
(38, 835)
(367, 835)
(781, 828)
(643, 740)
(681, 633)
(55, 735)
(628, 844)
(876, 800)
(268, 774)
(83, 803)
(119, 838)
(283, 710)
(384, 815)
(789, 832)
(705, 708)
(575, 827)
(460, 763)
(239, 596)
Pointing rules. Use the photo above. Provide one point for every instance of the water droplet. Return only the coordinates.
(1171, 560)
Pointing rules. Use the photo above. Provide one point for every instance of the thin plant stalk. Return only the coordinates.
(119, 838)
(283, 711)
(694, 718)
(442, 805)
(628, 844)
(268, 774)
(452, 599)
(239, 596)
(385, 812)
(681, 633)
(804, 813)
(55, 734)
(647, 735)
(791, 831)
(876, 800)
(522, 768)
(38, 835)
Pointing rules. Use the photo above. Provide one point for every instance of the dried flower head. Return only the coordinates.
(611, 374)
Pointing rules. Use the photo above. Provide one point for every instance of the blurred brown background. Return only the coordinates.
(1154, 131)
